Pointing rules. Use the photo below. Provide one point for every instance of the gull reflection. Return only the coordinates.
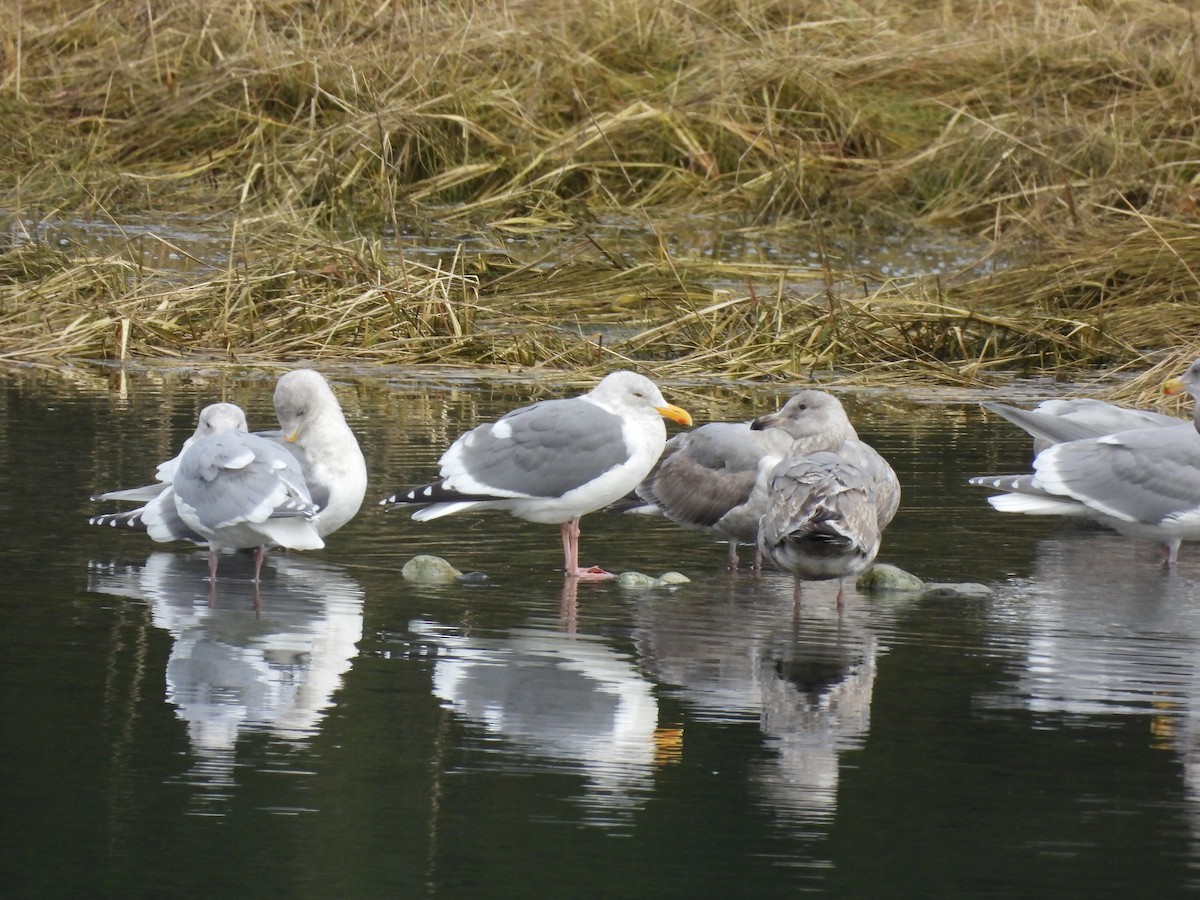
(558, 697)
(245, 660)
(1099, 631)
(740, 655)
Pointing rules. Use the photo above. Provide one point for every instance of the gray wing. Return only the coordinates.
(1060, 421)
(235, 477)
(1106, 418)
(317, 490)
(703, 474)
(544, 450)
(1146, 475)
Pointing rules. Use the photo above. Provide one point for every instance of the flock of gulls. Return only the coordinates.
(797, 484)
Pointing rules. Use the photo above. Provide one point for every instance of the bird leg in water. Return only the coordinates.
(260, 553)
(570, 540)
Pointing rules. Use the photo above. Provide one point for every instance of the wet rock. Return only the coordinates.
(965, 590)
(638, 581)
(885, 577)
(427, 569)
(473, 577)
(674, 578)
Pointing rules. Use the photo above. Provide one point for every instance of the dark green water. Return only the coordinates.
(363, 737)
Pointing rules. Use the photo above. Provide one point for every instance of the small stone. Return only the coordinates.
(966, 590)
(674, 578)
(637, 581)
(425, 569)
(473, 577)
(885, 577)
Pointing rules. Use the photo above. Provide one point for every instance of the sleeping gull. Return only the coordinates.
(314, 430)
(1143, 482)
(827, 507)
(159, 498)
(715, 477)
(554, 461)
(239, 491)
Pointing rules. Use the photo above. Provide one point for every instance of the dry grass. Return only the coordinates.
(1065, 133)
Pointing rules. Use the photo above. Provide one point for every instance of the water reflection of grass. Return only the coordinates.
(1063, 139)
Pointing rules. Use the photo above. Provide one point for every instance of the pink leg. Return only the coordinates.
(841, 594)
(260, 553)
(797, 593)
(212, 565)
(1170, 554)
(733, 556)
(570, 538)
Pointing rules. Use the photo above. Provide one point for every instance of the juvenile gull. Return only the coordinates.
(239, 491)
(159, 498)
(715, 477)
(315, 430)
(1144, 482)
(827, 506)
(554, 461)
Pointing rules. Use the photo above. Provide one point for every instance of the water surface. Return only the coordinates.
(345, 733)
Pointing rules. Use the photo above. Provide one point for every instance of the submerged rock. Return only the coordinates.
(425, 569)
(638, 581)
(885, 577)
(964, 590)
(674, 578)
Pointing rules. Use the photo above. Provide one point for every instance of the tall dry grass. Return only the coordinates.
(1064, 133)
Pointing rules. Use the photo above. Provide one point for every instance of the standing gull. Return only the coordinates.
(715, 478)
(158, 515)
(239, 491)
(315, 430)
(827, 507)
(1143, 482)
(554, 461)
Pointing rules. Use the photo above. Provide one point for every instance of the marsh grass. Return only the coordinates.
(1063, 133)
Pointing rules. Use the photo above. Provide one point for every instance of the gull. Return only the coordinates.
(554, 461)
(715, 478)
(1142, 482)
(240, 491)
(827, 508)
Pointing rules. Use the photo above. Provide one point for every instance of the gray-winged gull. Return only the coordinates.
(554, 461)
(827, 508)
(315, 430)
(1057, 421)
(158, 515)
(1143, 482)
(239, 491)
(715, 477)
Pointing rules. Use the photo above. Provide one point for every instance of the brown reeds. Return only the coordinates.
(1059, 137)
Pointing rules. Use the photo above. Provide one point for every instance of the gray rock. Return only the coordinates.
(885, 577)
(674, 578)
(965, 590)
(427, 569)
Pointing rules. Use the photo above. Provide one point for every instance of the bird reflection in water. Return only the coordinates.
(559, 700)
(264, 658)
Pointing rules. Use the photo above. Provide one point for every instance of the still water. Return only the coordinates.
(360, 736)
